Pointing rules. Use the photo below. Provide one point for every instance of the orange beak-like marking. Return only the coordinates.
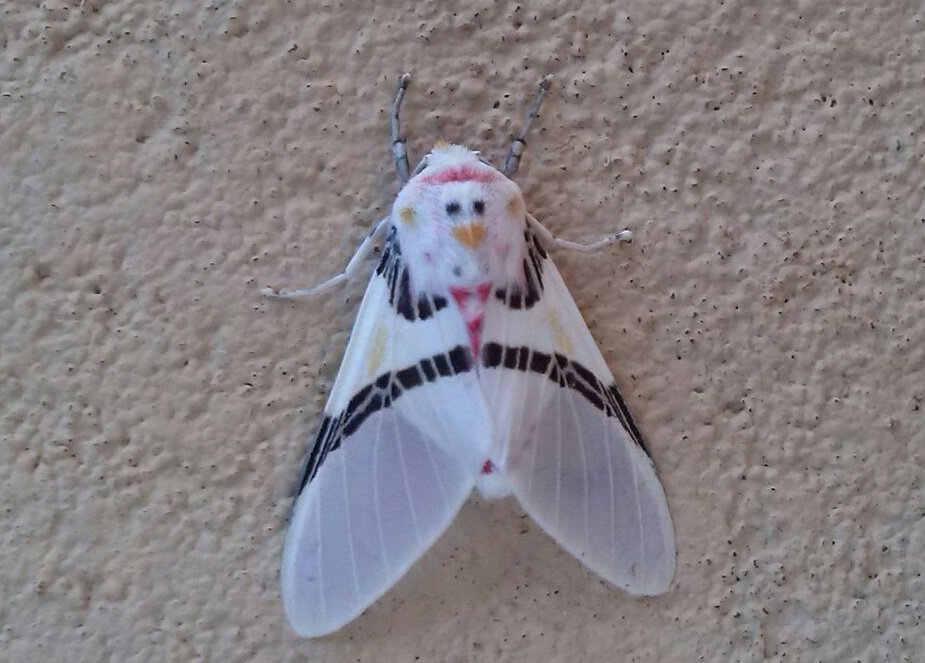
(470, 235)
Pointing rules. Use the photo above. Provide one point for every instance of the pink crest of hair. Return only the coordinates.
(459, 174)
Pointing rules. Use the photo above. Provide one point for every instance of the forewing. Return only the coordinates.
(394, 459)
(574, 456)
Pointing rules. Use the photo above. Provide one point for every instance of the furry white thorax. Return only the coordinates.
(460, 222)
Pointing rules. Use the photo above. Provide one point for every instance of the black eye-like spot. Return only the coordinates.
(453, 208)
(479, 206)
(457, 271)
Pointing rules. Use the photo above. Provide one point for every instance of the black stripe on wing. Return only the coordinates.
(393, 269)
(568, 374)
(525, 297)
(378, 395)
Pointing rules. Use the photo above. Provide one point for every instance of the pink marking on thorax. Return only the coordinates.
(488, 467)
(474, 326)
(461, 295)
(471, 303)
(459, 174)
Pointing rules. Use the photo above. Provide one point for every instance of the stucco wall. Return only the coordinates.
(160, 161)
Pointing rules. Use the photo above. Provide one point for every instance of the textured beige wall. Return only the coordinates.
(160, 161)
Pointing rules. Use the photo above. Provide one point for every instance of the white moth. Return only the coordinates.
(469, 366)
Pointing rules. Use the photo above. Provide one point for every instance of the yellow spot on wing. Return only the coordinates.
(407, 215)
(563, 343)
(470, 235)
(376, 351)
(441, 143)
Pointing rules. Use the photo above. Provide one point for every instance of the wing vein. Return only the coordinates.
(642, 530)
(377, 505)
(349, 526)
(401, 455)
(584, 464)
(324, 601)
(439, 321)
(404, 476)
(505, 335)
(542, 400)
(613, 500)
(558, 461)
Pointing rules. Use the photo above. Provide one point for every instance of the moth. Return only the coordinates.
(469, 366)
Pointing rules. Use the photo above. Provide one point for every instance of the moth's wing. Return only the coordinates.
(574, 456)
(395, 458)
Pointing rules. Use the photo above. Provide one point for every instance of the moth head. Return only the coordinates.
(456, 211)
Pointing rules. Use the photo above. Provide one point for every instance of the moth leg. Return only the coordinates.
(546, 235)
(353, 267)
(519, 144)
(399, 149)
